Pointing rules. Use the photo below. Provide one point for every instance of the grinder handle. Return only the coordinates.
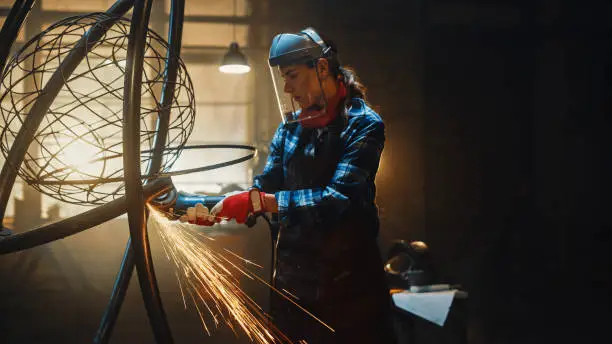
(185, 200)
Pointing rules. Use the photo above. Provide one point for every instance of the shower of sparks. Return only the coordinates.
(210, 280)
(244, 260)
(290, 294)
(164, 225)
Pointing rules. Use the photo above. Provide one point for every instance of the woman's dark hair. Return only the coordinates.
(354, 87)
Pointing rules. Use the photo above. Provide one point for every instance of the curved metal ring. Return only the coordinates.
(160, 174)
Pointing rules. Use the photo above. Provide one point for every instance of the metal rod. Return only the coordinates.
(148, 176)
(11, 27)
(127, 264)
(131, 168)
(78, 223)
(122, 282)
(175, 31)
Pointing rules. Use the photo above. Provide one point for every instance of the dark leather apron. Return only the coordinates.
(334, 269)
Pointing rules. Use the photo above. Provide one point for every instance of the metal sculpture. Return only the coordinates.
(122, 142)
(80, 139)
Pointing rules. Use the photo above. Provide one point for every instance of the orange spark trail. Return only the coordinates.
(212, 282)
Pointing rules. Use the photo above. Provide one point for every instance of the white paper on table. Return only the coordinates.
(432, 306)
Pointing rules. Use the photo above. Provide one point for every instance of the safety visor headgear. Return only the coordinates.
(287, 50)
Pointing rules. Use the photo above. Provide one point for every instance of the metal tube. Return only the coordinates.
(11, 27)
(122, 282)
(78, 223)
(126, 270)
(175, 32)
(132, 173)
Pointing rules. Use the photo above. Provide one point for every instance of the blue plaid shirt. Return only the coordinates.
(352, 184)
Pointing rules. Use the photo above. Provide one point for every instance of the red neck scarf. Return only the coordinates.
(331, 111)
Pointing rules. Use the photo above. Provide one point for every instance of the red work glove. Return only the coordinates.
(239, 206)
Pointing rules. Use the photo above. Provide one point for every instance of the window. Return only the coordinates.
(223, 112)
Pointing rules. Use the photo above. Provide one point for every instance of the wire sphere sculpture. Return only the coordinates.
(78, 146)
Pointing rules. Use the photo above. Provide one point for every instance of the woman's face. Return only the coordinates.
(302, 84)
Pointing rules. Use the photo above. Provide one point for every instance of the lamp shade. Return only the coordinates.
(234, 61)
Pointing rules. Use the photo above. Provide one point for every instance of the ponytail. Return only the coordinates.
(354, 87)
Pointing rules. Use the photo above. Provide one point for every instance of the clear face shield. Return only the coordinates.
(299, 93)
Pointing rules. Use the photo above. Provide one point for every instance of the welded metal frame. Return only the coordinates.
(137, 253)
(32, 122)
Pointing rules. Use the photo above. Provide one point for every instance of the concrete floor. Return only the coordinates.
(58, 292)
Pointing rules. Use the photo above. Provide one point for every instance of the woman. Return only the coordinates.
(319, 180)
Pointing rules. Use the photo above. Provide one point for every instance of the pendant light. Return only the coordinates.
(234, 61)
